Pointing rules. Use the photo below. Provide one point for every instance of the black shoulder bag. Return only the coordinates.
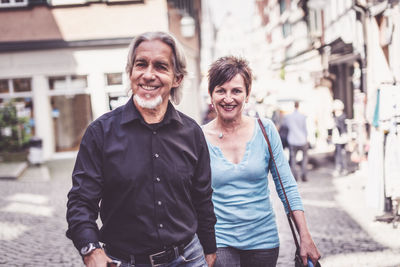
(297, 258)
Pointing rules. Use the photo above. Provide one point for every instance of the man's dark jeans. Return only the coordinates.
(292, 160)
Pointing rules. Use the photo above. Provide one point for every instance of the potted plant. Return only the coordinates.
(14, 133)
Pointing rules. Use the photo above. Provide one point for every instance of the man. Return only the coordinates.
(148, 164)
(297, 140)
(339, 138)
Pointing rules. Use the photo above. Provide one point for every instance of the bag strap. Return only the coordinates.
(290, 215)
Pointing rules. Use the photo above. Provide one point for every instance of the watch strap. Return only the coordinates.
(87, 249)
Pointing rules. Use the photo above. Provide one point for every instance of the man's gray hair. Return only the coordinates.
(178, 58)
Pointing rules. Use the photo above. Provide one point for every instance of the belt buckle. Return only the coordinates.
(153, 255)
(176, 252)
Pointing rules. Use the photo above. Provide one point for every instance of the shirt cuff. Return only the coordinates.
(208, 242)
(83, 237)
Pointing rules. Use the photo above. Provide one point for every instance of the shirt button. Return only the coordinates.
(154, 132)
(156, 155)
(161, 225)
(158, 179)
(159, 203)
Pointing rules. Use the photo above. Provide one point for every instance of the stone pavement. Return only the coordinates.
(341, 224)
(32, 220)
(12, 170)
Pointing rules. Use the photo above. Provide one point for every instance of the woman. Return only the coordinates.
(246, 230)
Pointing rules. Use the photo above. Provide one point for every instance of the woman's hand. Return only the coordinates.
(308, 249)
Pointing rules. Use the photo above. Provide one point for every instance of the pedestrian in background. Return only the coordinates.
(339, 138)
(209, 114)
(297, 140)
(246, 230)
(148, 165)
(277, 118)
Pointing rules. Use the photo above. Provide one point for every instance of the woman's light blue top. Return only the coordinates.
(245, 218)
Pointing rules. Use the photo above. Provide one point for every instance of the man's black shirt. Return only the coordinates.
(153, 183)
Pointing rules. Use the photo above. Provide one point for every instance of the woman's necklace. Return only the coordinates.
(222, 135)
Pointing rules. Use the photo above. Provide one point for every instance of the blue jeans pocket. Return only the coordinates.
(193, 254)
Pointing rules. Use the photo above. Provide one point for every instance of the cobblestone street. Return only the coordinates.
(32, 221)
(341, 225)
(32, 218)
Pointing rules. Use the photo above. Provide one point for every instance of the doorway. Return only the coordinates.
(71, 116)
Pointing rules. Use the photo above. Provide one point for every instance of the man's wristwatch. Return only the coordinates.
(86, 250)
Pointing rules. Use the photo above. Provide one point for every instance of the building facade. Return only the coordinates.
(65, 60)
(356, 45)
(359, 46)
(294, 63)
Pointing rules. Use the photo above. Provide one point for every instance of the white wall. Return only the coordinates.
(39, 65)
(191, 95)
(42, 110)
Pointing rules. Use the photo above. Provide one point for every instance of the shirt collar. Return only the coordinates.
(131, 113)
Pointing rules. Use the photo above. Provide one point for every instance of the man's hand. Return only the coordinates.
(97, 258)
(210, 259)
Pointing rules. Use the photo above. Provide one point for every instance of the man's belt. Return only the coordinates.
(155, 259)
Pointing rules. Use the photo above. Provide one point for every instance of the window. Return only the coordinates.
(117, 99)
(4, 88)
(57, 83)
(315, 20)
(79, 81)
(185, 7)
(67, 2)
(16, 86)
(19, 91)
(282, 6)
(13, 3)
(16, 131)
(22, 85)
(286, 29)
(68, 82)
(114, 78)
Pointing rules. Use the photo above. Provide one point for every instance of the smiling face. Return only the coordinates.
(152, 75)
(229, 98)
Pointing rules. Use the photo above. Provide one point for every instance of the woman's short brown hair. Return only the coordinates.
(225, 69)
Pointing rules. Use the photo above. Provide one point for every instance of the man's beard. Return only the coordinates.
(148, 103)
